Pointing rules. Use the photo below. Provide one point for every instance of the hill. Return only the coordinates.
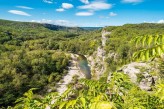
(34, 55)
(18, 24)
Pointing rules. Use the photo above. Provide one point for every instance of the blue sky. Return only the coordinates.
(83, 12)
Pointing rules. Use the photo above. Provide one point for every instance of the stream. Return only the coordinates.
(83, 66)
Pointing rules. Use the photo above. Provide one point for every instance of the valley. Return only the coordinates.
(44, 66)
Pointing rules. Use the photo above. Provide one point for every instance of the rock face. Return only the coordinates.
(134, 71)
(96, 61)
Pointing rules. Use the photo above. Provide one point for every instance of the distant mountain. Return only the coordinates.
(58, 27)
(21, 25)
(91, 28)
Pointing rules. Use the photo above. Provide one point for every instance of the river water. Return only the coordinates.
(83, 65)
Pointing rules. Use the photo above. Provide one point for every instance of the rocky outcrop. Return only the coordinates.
(96, 60)
(132, 70)
(139, 74)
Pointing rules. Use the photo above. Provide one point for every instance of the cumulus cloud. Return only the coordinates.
(19, 12)
(67, 5)
(84, 14)
(60, 10)
(56, 22)
(161, 21)
(93, 6)
(48, 1)
(112, 14)
(24, 7)
(132, 1)
(96, 5)
(85, 1)
(64, 6)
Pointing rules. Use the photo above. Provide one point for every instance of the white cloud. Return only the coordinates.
(161, 21)
(112, 14)
(24, 7)
(84, 14)
(60, 10)
(67, 5)
(96, 5)
(132, 1)
(48, 1)
(64, 6)
(56, 22)
(85, 1)
(19, 12)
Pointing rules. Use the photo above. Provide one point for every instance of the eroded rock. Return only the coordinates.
(134, 69)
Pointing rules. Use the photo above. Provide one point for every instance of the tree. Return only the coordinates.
(153, 46)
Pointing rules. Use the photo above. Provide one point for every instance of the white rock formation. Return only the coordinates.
(133, 69)
(96, 61)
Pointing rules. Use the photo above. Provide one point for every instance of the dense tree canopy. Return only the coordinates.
(36, 55)
(124, 48)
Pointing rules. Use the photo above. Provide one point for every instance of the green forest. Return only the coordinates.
(34, 57)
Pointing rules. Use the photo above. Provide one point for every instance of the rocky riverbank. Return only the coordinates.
(73, 71)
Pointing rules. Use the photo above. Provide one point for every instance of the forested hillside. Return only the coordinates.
(36, 55)
(120, 42)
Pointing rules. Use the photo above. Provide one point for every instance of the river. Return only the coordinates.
(83, 65)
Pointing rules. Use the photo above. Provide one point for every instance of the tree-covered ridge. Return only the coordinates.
(34, 56)
(123, 49)
(23, 25)
(15, 35)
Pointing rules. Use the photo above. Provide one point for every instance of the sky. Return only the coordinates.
(83, 13)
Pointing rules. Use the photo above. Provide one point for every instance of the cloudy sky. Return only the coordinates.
(83, 12)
